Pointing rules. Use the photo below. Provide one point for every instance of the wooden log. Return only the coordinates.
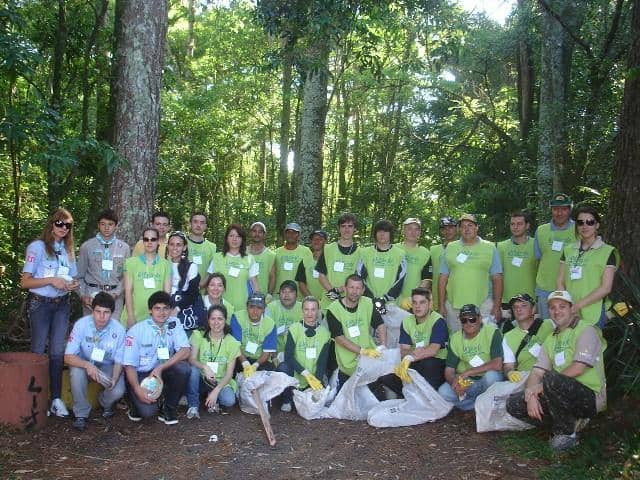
(264, 416)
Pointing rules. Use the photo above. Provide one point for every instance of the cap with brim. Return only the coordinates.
(560, 200)
(469, 217)
(411, 220)
(258, 224)
(257, 299)
(522, 297)
(469, 310)
(560, 295)
(322, 233)
(448, 222)
(293, 226)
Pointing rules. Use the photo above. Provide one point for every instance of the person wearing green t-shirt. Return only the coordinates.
(201, 250)
(144, 275)
(419, 270)
(519, 263)
(566, 386)
(284, 312)
(306, 352)
(288, 257)
(548, 244)
(448, 233)
(474, 360)
(308, 277)
(469, 267)
(239, 268)
(263, 256)
(587, 268)
(423, 340)
(213, 361)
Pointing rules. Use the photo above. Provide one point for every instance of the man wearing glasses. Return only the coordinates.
(474, 360)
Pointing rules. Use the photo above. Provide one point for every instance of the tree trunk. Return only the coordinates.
(625, 200)
(285, 132)
(343, 150)
(191, 40)
(314, 112)
(526, 74)
(140, 31)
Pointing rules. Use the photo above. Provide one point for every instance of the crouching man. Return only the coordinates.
(94, 353)
(566, 385)
(157, 347)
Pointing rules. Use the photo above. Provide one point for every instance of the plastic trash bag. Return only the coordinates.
(268, 384)
(491, 407)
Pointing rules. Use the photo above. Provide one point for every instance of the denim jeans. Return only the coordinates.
(478, 387)
(175, 380)
(80, 383)
(226, 397)
(49, 321)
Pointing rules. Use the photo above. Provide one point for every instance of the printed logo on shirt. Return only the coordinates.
(128, 341)
(31, 258)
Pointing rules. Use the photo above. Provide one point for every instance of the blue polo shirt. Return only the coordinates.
(85, 337)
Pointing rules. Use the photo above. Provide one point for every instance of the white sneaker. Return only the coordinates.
(286, 407)
(58, 408)
(192, 413)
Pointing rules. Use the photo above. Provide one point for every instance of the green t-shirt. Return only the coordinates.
(382, 268)
(311, 278)
(519, 268)
(145, 279)
(469, 268)
(308, 349)
(265, 262)
(286, 263)
(237, 271)
(436, 257)
(417, 258)
(253, 336)
(201, 253)
(218, 355)
(529, 353)
(551, 244)
(466, 353)
(283, 318)
(420, 333)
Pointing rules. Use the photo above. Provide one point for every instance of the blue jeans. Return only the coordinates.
(49, 320)
(287, 394)
(541, 305)
(478, 387)
(196, 386)
(80, 383)
(175, 380)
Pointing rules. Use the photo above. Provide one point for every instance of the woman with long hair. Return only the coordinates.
(215, 287)
(144, 275)
(213, 361)
(185, 282)
(239, 268)
(48, 273)
(587, 268)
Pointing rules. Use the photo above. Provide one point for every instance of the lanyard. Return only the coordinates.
(213, 357)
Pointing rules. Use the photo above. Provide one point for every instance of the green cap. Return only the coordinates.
(560, 200)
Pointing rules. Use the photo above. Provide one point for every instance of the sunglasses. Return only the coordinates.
(591, 223)
(146, 239)
(61, 224)
(470, 320)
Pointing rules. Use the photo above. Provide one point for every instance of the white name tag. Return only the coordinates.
(354, 331)
(559, 359)
(461, 258)
(213, 366)
(107, 265)
(251, 347)
(234, 272)
(378, 272)
(280, 357)
(163, 353)
(556, 246)
(197, 259)
(576, 273)
(62, 270)
(316, 273)
(49, 272)
(338, 266)
(149, 283)
(310, 353)
(476, 361)
(281, 329)
(420, 344)
(288, 266)
(535, 350)
(516, 261)
(97, 354)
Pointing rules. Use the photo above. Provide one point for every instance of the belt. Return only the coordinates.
(41, 298)
(102, 287)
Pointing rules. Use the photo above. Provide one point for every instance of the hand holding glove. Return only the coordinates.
(313, 382)
(333, 294)
(370, 352)
(248, 369)
(402, 369)
(514, 376)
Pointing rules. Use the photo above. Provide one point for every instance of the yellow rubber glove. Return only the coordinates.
(313, 382)
(621, 308)
(370, 352)
(465, 382)
(248, 369)
(405, 304)
(402, 369)
(514, 376)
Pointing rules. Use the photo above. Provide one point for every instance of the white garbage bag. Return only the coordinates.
(491, 407)
(268, 384)
(310, 404)
(421, 404)
(393, 321)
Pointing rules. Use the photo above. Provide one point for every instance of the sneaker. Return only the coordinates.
(561, 443)
(183, 401)
(285, 407)
(133, 414)
(168, 416)
(58, 408)
(80, 423)
(192, 412)
(108, 412)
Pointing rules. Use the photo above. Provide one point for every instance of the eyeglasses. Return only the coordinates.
(469, 319)
(591, 222)
(145, 239)
(61, 224)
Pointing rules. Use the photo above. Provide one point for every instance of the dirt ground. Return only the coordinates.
(327, 449)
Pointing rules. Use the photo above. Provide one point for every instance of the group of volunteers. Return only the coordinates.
(177, 316)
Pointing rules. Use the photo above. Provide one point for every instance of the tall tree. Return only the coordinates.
(140, 31)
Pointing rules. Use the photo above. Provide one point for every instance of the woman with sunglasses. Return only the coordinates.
(213, 361)
(48, 270)
(215, 287)
(239, 268)
(587, 268)
(143, 275)
(185, 282)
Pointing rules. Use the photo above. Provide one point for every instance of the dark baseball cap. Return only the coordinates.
(522, 297)
(448, 222)
(257, 299)
(322, 233)
(469, 310)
